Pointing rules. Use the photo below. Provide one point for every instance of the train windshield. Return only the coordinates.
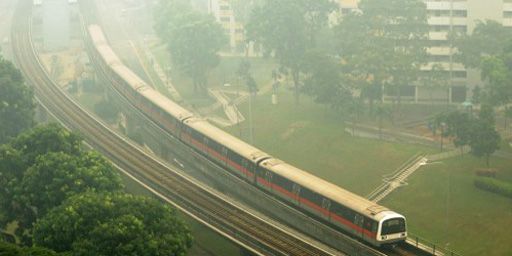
(392, 226)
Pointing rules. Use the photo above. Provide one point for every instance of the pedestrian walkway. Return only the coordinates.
(397, 179)
(230, 109)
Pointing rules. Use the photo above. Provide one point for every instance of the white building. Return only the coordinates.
(223, 13)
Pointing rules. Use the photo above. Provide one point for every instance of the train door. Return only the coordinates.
(296, 193)
(205, 145)
(268, 178)
(224, 152)
(252, 170)
(326, 206)
(245, 168)
(358, 220)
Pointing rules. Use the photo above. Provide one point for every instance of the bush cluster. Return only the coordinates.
(494, 185)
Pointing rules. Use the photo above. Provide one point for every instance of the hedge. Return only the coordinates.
(494, 185)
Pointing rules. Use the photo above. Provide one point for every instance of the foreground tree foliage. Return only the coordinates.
(16, 102)
(193, 40)
(13, 250)
(41, 168)
(123, 225)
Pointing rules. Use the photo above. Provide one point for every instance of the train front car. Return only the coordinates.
(392, 228)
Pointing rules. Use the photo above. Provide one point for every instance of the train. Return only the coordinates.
(365, 220)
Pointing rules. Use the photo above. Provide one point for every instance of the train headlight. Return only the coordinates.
(384, 237)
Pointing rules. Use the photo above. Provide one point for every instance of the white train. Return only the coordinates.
(364, 219)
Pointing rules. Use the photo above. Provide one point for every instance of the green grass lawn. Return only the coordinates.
(472, 221)
(313, 138)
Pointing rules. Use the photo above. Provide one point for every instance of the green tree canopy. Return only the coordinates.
(497, 74)
(45, 139)
(323, 81)
(16, 102)
(485, 140)
(288, 28)
(489, 38)
(41, 168)
(383, 45)
(193, 40)
(13, 250)
(113, 224)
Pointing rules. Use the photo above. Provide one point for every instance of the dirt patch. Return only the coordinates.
(292, 128)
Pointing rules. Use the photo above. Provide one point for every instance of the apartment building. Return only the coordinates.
(445, 16)
(223, 13)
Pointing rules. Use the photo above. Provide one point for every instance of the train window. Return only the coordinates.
(224, 151)
(326, 203)
(296, 188)
(396, 225)
(268, 176)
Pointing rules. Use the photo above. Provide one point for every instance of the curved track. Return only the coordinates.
(242, 227)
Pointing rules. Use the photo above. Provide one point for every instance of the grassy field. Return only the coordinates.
(313, 138)
(443, 206)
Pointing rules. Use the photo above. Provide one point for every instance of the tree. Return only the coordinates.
(489, 38)
(113, 224)
(508, 115)
(288, 28)
(45, 139)
(490, 49)
(436, 77)
(13, 250)
(487, 114)
(16, 102)
(41, 168)
(382, 111)
(193, 40)
(485, 140)
(459, 126)
(324, 83)
(383, 45)
(497, 76)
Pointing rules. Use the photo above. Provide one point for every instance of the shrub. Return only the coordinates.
(491, 173)
(494, 185)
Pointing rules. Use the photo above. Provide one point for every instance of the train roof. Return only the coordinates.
(320, 186)
(166, 104)
(96, 34)
(130, 77)
(231, 142)
(108, 55)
